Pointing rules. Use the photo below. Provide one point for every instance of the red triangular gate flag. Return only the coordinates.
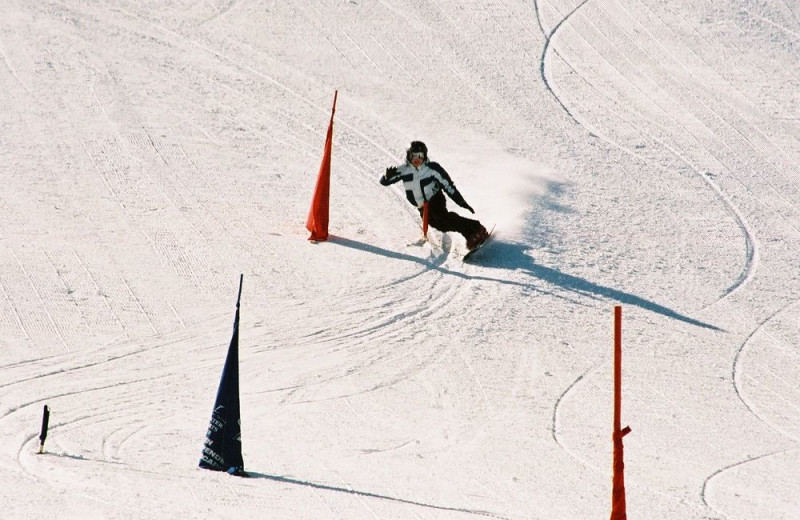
(317, 222)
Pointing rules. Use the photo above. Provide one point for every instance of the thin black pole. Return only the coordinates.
(45, 424)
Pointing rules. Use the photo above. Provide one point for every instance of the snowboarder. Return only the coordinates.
(425, 180)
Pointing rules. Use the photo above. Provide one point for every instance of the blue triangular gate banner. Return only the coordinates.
(222, 450)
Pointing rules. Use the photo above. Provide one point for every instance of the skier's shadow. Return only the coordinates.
(512, 256)
(435, 263)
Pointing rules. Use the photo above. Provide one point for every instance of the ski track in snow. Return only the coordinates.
(750, 241)
(737, 373)
(708, 483)
(549, 35)
(748, 270)
(329, 347)
(555, 424)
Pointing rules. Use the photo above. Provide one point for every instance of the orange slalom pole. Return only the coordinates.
(618, 509)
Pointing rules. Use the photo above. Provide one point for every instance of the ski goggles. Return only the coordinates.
(416, 155)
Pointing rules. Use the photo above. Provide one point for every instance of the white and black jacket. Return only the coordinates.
(423, 183)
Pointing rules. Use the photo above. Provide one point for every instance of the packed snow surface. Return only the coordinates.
(638, 153)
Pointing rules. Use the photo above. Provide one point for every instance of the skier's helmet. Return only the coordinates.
(417, 147)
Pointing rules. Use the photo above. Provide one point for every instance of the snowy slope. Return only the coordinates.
(639, 153)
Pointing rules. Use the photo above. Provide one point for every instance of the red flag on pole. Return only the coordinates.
(317, 222)
(618, 509)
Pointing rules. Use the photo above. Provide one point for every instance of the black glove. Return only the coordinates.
(468, 207)
(391, 171)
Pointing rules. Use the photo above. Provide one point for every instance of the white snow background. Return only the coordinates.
(638, 153)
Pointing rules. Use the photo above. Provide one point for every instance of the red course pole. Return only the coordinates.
(617, 367)
(425, 220)
(618, 511)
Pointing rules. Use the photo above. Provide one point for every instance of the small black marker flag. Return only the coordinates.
(223, 445)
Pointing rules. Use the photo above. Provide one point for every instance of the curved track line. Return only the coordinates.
(405, 362)
(704, 491)
(735, 371)
(744, 118)
(548, 38)
(751, 253)
(554, 427)
(751, 250)
(751, 260)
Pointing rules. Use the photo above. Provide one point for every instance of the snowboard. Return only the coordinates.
(480, 246)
